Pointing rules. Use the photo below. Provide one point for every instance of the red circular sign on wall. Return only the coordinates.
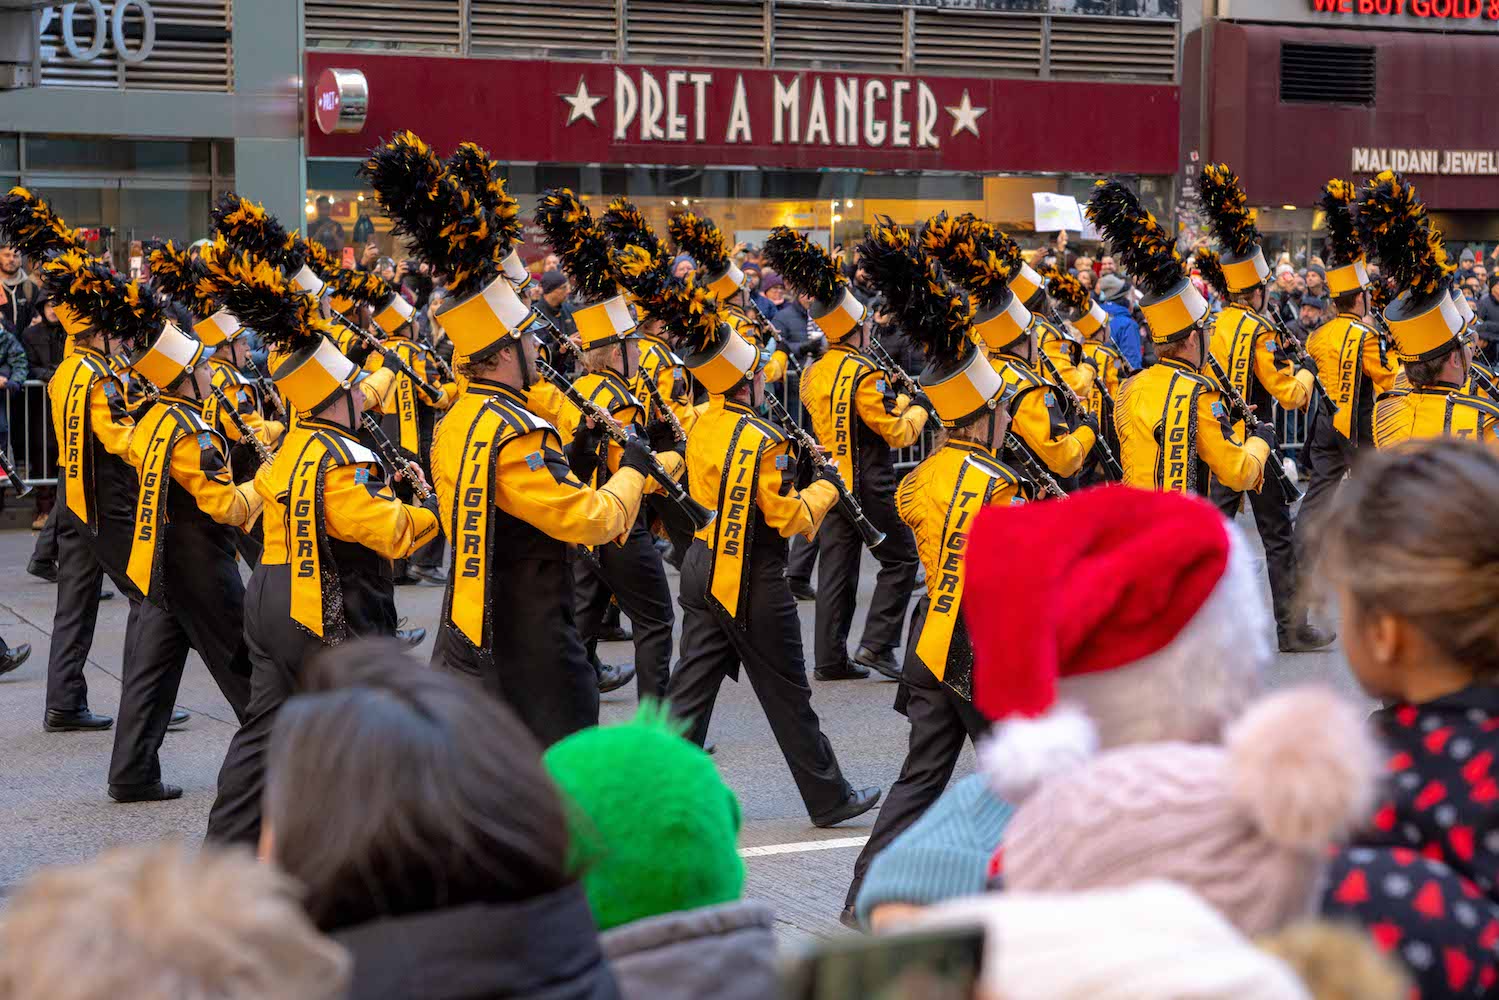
(340, 100)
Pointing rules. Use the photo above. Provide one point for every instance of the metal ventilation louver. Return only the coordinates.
(193, 51)
(980, 43)
(384, 25)
(724, 32)
(550, 29)
(1113, 48)
(1327, 74)
(819, 36)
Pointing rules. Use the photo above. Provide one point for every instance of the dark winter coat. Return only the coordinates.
(725, 952)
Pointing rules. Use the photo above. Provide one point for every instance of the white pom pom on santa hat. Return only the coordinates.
(1105, 579)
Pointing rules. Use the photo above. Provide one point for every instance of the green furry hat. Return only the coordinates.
(653, 826)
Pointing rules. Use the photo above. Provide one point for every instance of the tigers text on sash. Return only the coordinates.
(974, 486)
(155, 474)
(1350, 372)
(410, 436)
(841, 405)
(736, 505)
(469, 607)
(1176, 465)
(76, 457)
(304, 505)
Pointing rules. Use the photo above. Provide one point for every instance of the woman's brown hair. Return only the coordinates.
(1414, 534)
(393, 788)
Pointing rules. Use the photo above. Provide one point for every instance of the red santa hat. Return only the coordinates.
(1115, 616)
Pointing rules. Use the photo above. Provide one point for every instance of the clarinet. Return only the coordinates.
(267, 387)
(902, 377)
(13, 474)
(262, 452)
(393, 359)
(1032, 467)
(1111, 464)
(677, 431)
(395, 459)
(442, 366)
(1298, 350)
(699, 515)
(872, 535)
(1239, 410)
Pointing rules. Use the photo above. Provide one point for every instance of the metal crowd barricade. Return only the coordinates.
(28, 420)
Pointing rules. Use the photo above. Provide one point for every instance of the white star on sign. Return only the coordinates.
(965, 117)
(581, 104)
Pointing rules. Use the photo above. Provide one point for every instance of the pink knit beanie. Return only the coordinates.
(1246, 825)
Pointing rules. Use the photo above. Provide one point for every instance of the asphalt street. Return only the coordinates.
(53, 806)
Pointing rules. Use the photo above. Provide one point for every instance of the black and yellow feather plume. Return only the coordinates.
(930, 309)
(1336, 202)
(1211, 269)
(805, 266)
(361, 287)
(472, 166)
(579, 241)
(264, 298)
(178, 276)
(29, 224)
(701, 240)
(1067, 291)
(975, 255)
(1227, 208)
(1391, 221)
(92, 290)
(626, 225)
(249, 228)
(1147, 252)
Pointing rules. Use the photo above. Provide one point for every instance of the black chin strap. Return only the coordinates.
(527, 373)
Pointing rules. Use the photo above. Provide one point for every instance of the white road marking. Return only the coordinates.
(805, 845)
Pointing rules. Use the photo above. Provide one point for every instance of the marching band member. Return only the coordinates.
(1060, 347)
(1347, 348)
(505, 487)
(1174, 428)
(331, 522)
(1099, 362)
(1423, 320)
(736, 605)
(1262, 372)
(631, 569)
(938, 501)
(857, 415)
(985, 261)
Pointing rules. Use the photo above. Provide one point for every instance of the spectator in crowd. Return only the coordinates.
(19, 292)
(1082, 262)
(385, 267)
(364, 226)
(1482, 274)
(1312, 313)
(682, 265)
(157, 921)
(1488, 320)
(14, 371)
(770, 295)
(431, 843)
(551, 262)
(1087, 278)
(791, 321)
(415, 281)
(369, 259)
(657, 830)
(427, 328)
(1410, 549)
(863, 289)
(1465, 262)
(752, 275)
(1106, 265)
(1284, 301)
(553, 304)
(1316, 280)
(1114, 295)
(1473, 286)
(324, 228)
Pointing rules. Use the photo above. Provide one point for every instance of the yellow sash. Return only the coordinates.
(841, 407)
(1241, 344)
(76, 455)
(468, 599)
(736, 505)
(163, 427)
(978, 477)
(1350, 375)
(410, 437)
(1176, 464)
(316, 598)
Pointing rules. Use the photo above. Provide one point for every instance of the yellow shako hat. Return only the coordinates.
(28, 223)
(312, 371)
(958, 378)
(810, 270)
(630, 234)
(1172, 305)
(714, 352)
(388, 307)
(1392, 222)
(1346, 271)
(1074, 303)
(584, 249)
(1227, 209)
(702, 240)
(179, 275)
(984, 261)
(96, 297)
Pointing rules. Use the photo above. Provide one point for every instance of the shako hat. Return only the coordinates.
(958, 378)
(1075, 302)
(96, 297)
(983, 260)
(1172, 305)
(810, 270)
(28, 223)
(1227, 208)
(1346, 271)
(584, 249)
(705, 243)
(178, 275)
(1392, 222)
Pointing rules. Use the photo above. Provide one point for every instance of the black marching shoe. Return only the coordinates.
(411, 636)
(849, 919)
(158, 792)
(1305, 639)
(884, 662)
(14, 657)
(850, 671)
(613, 676)
(613, 633)
(430, 574)
(44, 568)
(180, 718)
(802, 590)
(858, 802)
(80, 721)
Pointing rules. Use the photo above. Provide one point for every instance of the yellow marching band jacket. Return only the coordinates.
(845, 384)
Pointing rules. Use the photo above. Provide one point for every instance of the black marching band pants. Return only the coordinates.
(634, 574)
(940, 721)
(769, 646)
(536, 662)
(203, 609)
(840, 549)
(83, 560)
(1331, 456)
(1272, 516)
